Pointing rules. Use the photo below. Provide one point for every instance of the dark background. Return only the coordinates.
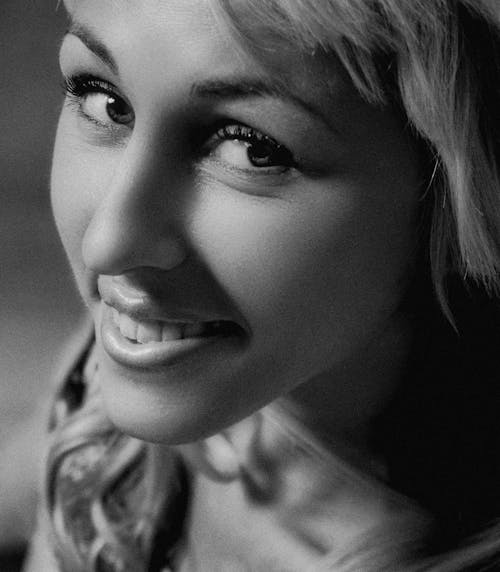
(38, 304)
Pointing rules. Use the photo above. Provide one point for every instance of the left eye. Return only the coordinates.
(97, 101)
(106, 109)
(246, 148)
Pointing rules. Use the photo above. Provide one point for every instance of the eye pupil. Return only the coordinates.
(118, 110)
(263, 154)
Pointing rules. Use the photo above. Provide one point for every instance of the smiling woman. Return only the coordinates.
(256, 207)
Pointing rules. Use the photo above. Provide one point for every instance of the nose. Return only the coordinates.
(135, 219)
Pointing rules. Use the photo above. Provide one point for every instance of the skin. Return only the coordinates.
(311, 261)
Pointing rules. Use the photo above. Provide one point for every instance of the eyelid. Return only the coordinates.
(242, 132)
(238, 130)
(79, 86)
(82, 84)
(92, 43)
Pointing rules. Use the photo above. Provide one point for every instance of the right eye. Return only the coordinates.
(98, 102)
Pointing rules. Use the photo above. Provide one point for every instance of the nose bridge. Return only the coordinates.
(135, 218)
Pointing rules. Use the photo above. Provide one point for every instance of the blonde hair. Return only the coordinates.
(443, 57)
(439, 61)
(105, 491)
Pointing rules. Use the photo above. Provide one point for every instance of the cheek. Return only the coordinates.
(328, 264)
(66, 195)
(76, 177)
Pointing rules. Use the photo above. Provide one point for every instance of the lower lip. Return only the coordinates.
(156, 354)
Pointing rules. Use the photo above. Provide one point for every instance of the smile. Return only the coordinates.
(150, 331)
(141, 343)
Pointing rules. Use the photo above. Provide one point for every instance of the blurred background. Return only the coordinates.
(38, 303)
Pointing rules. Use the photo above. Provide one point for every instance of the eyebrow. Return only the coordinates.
(245, 88)
(224, 89)
(93, 43)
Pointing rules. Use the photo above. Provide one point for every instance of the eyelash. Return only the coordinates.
(77, 87)
(240, 132)
(81, 85)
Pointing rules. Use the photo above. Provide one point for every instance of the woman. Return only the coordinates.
(284, 218)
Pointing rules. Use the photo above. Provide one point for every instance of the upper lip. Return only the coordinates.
(139, 304)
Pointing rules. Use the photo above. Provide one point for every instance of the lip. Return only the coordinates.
(159, 354)
(139, 305)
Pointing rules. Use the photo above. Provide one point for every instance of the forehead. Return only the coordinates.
(151, 27)
(158, 35)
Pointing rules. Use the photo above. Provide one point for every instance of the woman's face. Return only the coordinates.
(239, 226)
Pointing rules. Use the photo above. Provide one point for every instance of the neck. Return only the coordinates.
(289, 504)
(298, 481)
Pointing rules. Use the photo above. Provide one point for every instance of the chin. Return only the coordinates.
(165, 431)
(151, 411)
(174, 427)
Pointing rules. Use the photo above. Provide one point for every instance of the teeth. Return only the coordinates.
(128, 327)
(148, 331)
(194, 330)
(170, 332)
